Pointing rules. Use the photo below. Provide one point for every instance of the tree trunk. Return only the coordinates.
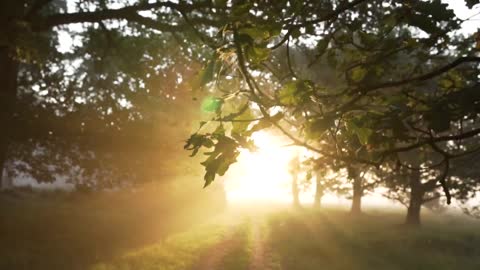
(416, 199)
(357, 195)
(319, 191)
(295, 191)
(3, 154)
(294, 169)
(8, 90)
(357, 186)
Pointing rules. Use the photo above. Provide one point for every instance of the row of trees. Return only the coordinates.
(386, 87)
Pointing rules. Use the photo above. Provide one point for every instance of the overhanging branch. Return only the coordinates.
(126, 13)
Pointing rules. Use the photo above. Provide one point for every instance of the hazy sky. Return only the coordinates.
(463, 13)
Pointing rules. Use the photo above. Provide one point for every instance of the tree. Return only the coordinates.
(294, 172)
(402, 80)
(93, 106)
(320, 188)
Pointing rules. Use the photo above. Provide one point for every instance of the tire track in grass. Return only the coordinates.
(213, 257)
(261, 257)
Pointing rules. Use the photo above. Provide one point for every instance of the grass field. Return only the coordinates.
(308, 240)
(50, 231)
(53, 235)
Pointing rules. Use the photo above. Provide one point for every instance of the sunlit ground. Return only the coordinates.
(263, 176)
(310, 240)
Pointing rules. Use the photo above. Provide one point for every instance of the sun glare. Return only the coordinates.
(262, 175)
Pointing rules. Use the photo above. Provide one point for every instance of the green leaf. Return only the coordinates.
(286, 95)
(258, 54)
(196, 141)
(358, 74)
(295, 93)
(317, 127)
(389, 21)
(363, 133)
(367, 38)
(241, 126)
(211, 104)
(244, 141)
(220, 159)
(255, 33)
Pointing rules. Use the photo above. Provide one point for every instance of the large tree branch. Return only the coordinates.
(127, 13)
(433, 140)
(430, 75)
(362, 91)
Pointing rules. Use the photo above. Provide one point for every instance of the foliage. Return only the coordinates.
(400, 78)
(383, 79)
(102, 112)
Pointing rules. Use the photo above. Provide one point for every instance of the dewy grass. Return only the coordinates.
(176, 252)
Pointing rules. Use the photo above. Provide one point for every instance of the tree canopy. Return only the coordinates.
(400, 78)
(361, 83)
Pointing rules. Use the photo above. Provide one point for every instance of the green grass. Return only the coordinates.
(177, 252)
(331, 239)
(112, 233)
(75, 231)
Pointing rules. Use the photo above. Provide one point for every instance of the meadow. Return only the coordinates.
(85, 232)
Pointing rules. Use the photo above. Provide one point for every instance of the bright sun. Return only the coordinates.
(262, 175)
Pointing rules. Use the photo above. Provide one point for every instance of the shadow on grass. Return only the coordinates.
(60, 231)
(335, 240)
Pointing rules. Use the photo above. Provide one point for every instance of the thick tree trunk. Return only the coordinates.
(3, 154)
(357, 195)
(357, 186)
(416, 199)
(413, 213)
(8, 90)
(319, 191)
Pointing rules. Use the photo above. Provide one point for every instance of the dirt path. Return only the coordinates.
(259, 252)
(258, 248)
(260, 257)
(213, 257)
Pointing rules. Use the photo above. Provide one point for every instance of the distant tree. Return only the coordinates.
(295, 169)
(326, 181)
